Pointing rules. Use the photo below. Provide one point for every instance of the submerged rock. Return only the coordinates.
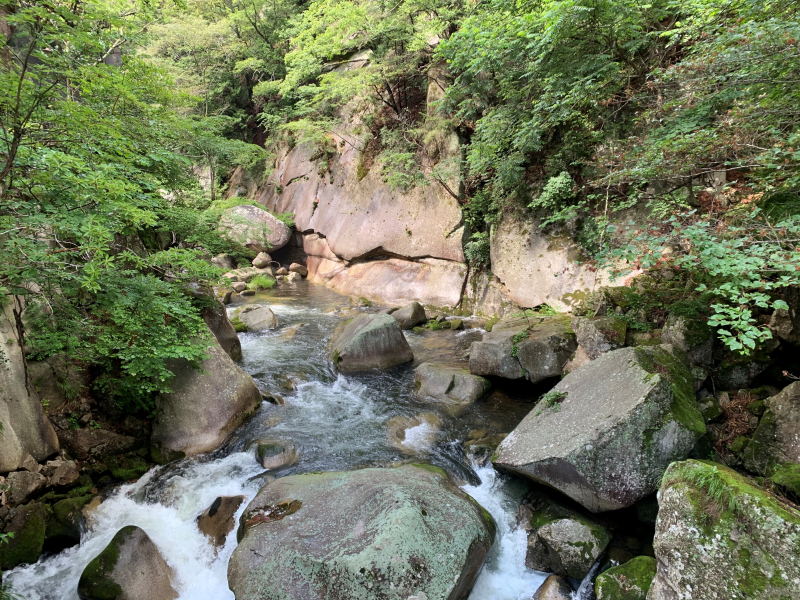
(449, 384)
(554, 588)
(255, 318)
(410, 315)
(204, 407)
(218, 520)
(129, 568)
(521, 347)
(254, 228)
(628, 581)
(389, 533)
(28, 524)
(720, 537)
(370, 342)
(413, 435)
(274, 454)
(777, 438)
(607, 432)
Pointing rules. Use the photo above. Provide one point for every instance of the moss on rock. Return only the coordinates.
(628, 581)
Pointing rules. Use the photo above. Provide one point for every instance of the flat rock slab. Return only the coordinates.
(609, 429)
(388, 533)
(370, 342)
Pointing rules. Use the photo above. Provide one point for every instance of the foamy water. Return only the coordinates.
(504, 575)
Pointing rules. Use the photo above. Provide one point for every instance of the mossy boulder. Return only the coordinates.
(718, 537)
(693, 336)
(129, 568)
(608, 431)
(254, 318)
(776, 440)
(524, 346)
(567, 546)
(28, 524)
(369, 342)
(65, 523)
(449, 384)
(254, 228)
(628, 581)
(389, 533)
(599, 335)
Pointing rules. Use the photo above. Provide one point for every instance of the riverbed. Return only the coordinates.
(336, 422)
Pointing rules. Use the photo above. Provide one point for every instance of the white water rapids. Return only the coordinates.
(336, 422)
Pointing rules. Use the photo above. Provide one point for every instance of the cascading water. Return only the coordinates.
(336, 422)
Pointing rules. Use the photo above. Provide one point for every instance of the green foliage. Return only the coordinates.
(707, 479)
(261, 282)
(477, 249)
(523, 335)
(552, 399)
(98, 201)
(286, 218)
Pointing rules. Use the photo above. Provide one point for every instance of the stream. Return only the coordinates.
(336, 422)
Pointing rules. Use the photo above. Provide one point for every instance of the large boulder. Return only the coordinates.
(204, 407)
(84, 444)
(27, 523)
(607, 432)
(410, 315)
(254, 228)
(129, 568)
(449, 384)
(24, 428)
(370, 342)
(628, 581)
(65, 524)
(522, 346)
(720, 537)
(391, 533)
(218, 520)
(255, 318)
(777, 437)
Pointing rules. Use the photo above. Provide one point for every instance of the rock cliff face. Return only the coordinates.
(24, 428)
(360, 237)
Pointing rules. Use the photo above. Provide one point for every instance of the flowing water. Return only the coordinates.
(335, 422)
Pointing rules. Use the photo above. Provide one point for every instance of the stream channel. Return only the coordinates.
(337, 422)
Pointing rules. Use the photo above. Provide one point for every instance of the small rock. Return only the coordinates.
(132, 567)
(282, 271)
(224, 261)
(262, 260)
(247, 293)
(579, 358)
(65, 474)
(554, 588)
(29, 464)
(239, 286)
(22, 485)
(218, 520)
(275, 455)
(410, 315)
(293, 277)
(299, 269)
(567, 546)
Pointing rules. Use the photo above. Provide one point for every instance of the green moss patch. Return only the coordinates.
(629, 581)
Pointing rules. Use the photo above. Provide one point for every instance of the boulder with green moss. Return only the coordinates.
(777, 438)
(718, 537)
(693, 336)
(599, 335)
(607, 432)
(254, 318)
(389, 533)
(369, 342)
(628, 581)
(65, 523)
(254, 228)
(27, 523)
(449, 384)
(524, 345)
(129, 568)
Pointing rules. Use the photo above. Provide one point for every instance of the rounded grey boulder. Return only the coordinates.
(254, 228)
(387, 533)
(449, 384)
(370, 342)
(410, 315)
